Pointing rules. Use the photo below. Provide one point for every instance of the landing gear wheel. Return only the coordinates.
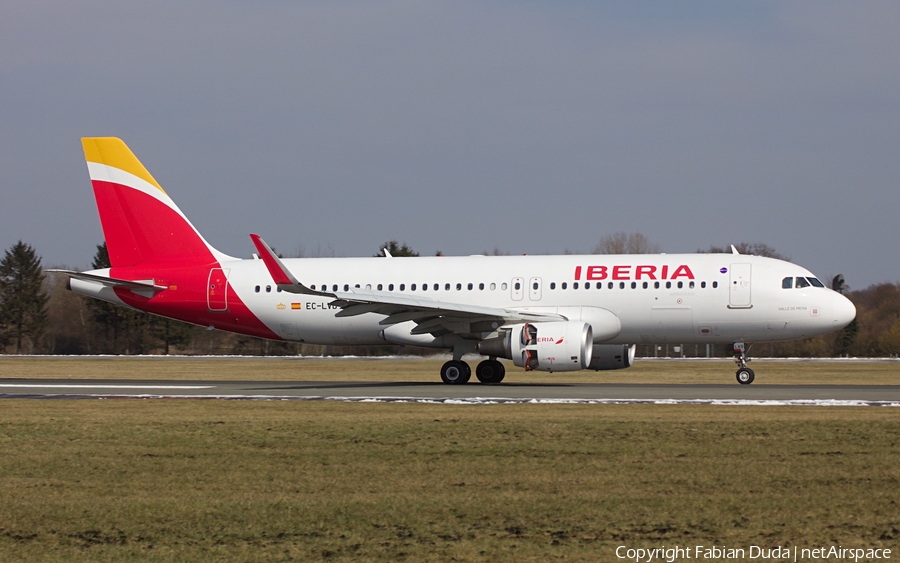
(490, 371)
(745, 376)
(456, 372)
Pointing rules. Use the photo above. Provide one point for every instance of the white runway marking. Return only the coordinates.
(88, 386)
(513, 401)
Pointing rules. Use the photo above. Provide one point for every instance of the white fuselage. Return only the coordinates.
(684, 298)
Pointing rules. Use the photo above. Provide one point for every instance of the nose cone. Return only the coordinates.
(844, 311)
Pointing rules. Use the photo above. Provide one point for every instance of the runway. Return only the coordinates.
(473, 393)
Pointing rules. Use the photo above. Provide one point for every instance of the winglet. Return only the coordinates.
(280, 274)
(734, 250)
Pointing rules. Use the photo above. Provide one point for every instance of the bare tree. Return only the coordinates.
(624, 243)
(754, 248)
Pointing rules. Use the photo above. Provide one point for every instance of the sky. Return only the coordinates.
(465, 127)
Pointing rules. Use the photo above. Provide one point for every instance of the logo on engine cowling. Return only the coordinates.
(550, 339)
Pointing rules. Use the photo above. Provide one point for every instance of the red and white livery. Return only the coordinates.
(547, 313)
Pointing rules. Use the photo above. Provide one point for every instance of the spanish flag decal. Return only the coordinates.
(296, 305)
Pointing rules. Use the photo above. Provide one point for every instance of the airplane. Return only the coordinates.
(545, 313)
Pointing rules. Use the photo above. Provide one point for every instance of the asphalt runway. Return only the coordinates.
(473, 393)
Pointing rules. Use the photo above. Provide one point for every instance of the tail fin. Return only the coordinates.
(140, 222)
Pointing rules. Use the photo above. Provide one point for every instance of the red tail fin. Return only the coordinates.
(140, 222)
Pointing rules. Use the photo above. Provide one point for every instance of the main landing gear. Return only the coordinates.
(458, 372)
(744, 374)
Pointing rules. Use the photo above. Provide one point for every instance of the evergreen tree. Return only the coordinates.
(114, 321)
(23, 303)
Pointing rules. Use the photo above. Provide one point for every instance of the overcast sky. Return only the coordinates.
(529, 127)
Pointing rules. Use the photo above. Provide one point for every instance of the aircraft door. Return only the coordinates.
(534, 289)
(517, 288)
(739, 287)
(217, 290)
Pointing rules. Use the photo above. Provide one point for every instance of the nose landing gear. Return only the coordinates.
(744, 374)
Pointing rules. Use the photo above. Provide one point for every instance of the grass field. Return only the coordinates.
(377, 369)
(209, 480)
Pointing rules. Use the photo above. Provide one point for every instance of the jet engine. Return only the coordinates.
(552, 346)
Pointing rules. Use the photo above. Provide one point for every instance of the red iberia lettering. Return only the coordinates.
(649, 271)
(633, 272)
(596, 273)
(683, 271)
(621, 272)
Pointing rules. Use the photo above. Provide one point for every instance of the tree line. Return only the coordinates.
(39, 316)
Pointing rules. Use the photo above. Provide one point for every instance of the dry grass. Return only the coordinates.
(184, 480)
(333, 369)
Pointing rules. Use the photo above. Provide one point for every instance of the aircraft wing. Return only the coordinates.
(431, 316)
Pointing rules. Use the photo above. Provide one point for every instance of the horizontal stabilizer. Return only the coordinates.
(137, 286)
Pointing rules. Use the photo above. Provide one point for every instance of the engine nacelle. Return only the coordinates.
(553, 346)
(611, 356)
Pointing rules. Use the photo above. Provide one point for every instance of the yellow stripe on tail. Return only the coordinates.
(111, 151)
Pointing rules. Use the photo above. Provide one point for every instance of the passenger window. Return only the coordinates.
(380, 287)
(787, 283)
(633, 285)
(646, 285)
(610, 285)
(437, 286)
(390, 287)
(503, 286)
(346, 287)
(493, 286)
(655, 285)
(552, 286)
(257, 289)
(691, 285)
(668, 285)
(801, 282)
(368, 286)
(470, 286)
(481, 286)
(356, 286)
(402, 287)
(278, 290)
(447, 287)
(564, 285)
(412, 287)
(575, 285)
(268, 289)
(458, 287)
(518, 286)
(715, 285)
(424, 287)
(621, 285)
(703, 285)
(313, 287)
(334, 287)
(680, 285)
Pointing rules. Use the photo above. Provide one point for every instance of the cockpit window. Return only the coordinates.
(801, 282)
(816, 282)
(787, 283)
